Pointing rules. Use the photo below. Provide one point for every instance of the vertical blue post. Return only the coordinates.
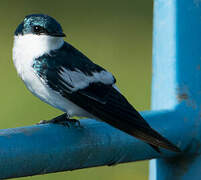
(176, 83)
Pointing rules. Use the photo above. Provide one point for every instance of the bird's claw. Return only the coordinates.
(74, 122)
(65, 122)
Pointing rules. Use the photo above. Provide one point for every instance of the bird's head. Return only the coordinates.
(38, 34)
(39, 24)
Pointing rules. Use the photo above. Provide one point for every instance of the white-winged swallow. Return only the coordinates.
(60, 75)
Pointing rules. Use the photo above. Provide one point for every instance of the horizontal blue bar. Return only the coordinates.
(41, 149)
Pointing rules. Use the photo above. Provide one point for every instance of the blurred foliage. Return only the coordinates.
(115, 34)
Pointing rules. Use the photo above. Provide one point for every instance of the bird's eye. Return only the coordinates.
(38, 29)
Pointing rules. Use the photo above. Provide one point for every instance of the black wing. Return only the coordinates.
(118, 112)
(98, 97)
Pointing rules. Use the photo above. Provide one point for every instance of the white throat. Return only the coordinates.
(36, 45)
(28, 47)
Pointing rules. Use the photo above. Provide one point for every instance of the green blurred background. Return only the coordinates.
(116, 34)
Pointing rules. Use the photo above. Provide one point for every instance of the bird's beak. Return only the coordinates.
(60, 34)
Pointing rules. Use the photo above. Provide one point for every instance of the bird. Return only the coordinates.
(63, 77)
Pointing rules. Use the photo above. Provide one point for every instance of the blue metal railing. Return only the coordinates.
(48, 148)
(176, 114)
(177, 82)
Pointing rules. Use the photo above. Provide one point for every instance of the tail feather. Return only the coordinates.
(155, 148)
(133, 124)
(119, 113)
(124, 117)
(154, 138)
(147, 135)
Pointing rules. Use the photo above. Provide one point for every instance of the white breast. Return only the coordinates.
(28, 47)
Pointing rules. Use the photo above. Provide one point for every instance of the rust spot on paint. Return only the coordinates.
(182, 96)
(198, 67)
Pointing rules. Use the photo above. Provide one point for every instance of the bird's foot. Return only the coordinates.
(63, 120)
(74, 122)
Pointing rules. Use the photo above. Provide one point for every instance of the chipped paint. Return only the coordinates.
(182, 96)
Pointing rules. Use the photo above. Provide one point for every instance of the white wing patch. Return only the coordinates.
(78, 80)
(115, 87)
